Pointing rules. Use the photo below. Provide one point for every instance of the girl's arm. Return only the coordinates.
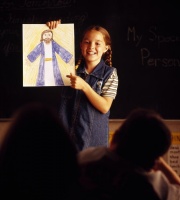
(102, 104)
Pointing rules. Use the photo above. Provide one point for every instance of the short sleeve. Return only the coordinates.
(110, 87)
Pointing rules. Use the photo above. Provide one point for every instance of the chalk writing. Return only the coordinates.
(161, 39)
(12, 32)
(47, 4)
(147, 60)
(33, 4)
(10, 47)
(8, 31)
(150, 38)
(150, 35)
(133, 36)
(14, 19)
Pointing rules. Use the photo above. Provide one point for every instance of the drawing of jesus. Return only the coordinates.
(49, 73)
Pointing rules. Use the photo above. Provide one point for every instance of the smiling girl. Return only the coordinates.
(85, 106)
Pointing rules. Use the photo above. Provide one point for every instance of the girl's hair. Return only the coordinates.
(107, 56)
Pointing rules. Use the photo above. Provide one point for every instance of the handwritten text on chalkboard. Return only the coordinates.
(153, 40)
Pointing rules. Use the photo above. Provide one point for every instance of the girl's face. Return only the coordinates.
(92, 47)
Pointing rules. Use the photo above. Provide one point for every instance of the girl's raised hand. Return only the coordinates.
(53, 24)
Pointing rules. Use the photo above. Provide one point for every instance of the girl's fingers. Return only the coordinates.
(48, 24)
(53, 24)
(69, 76)
(56, 23)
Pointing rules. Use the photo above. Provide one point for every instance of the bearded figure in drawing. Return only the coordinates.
(49, 73)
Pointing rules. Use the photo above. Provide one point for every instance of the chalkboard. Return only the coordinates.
(145, 44)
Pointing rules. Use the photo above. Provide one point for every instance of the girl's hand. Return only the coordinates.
(102, 104)
(76, 82)
(53, 24)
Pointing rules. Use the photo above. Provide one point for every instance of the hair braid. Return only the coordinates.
(108, 57)
(79, 61)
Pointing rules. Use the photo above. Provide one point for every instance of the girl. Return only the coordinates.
(85, 106)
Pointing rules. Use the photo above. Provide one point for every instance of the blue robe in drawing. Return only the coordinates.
(56, 48)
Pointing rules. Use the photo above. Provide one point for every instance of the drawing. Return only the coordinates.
(48, 55)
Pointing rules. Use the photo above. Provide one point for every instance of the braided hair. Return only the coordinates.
(107, 56)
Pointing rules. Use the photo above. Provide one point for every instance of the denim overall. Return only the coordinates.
(86, 125)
